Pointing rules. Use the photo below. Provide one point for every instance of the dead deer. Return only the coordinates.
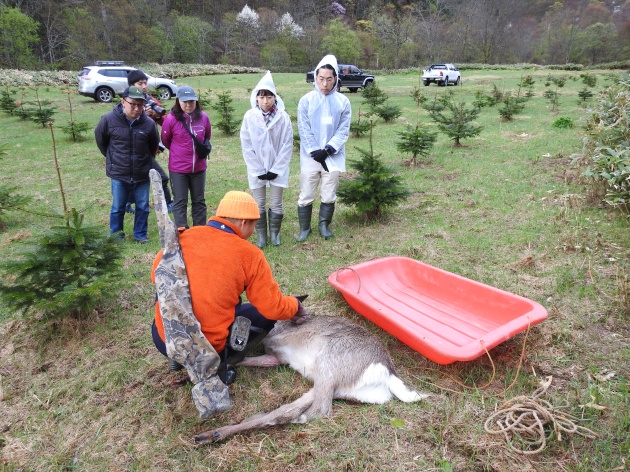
(344, 361)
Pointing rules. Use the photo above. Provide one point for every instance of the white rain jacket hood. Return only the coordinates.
(267, 147)
(324, 119)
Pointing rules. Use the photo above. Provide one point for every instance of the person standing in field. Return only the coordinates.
(154, 110)
(128, 139)
(267, 144)
(185, 123)
(324, 116)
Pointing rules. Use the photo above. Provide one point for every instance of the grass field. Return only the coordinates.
(507, 209)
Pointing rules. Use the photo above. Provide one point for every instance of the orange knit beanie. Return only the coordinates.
(239, 205)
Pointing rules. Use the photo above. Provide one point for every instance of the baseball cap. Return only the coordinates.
(186, 93)
(133, 92)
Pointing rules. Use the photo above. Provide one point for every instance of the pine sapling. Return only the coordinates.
(457, 121)
(527, 83)
(375, 187)
(511, 106)
(75, 129)
(67, 271)
(227, 123)
(388, 112)
(553, 97)
(9, 198)
(43, 113)
(7, 101)
(22, 111)
(373, 96)
(417, 96)
(416, 141)
(584, 94)
(360, 127)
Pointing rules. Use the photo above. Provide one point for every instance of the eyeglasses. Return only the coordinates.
(137, 106)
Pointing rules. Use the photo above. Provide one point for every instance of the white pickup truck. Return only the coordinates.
(441, 74)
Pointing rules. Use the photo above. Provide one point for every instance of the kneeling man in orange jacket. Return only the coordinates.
(221, 264)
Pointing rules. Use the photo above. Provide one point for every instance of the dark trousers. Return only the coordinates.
(167, 191)
(195, 184)
(260, 325)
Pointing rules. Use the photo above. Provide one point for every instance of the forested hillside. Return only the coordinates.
(293, 34)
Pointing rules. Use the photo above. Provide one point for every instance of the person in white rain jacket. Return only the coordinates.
(267, 143)
(324, 117)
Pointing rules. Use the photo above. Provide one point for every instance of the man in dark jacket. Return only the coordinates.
(139, 79)
(128, 139)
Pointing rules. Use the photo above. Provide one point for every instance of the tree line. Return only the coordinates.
(292, 35)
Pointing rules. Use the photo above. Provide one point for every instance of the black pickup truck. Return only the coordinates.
(349, 76)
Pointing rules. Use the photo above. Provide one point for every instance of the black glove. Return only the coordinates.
(300, 316)
(263, 177)
(271, 175)
(320, 156)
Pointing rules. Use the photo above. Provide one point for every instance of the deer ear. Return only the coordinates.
(301, 298)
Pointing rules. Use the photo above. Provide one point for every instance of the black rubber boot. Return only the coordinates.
(227, 374)
(261, 230)
(304, 217)
(275, 222)
(326, 211)
(174, 366)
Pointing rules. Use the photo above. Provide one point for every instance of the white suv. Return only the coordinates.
(105, 80)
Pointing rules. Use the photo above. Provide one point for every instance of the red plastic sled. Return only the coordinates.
(443, 316)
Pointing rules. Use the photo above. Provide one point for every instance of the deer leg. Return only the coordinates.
(285, 414)
(324, 390)
(266, 360)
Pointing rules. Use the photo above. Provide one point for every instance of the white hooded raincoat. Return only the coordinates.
(267, 147)
(324, 119)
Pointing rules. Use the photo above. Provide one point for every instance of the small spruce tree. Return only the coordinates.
(511, 106)
(22, 110)
(483, 100)
(388, 112)
(67, 271)
(227, 123)
(43, 112)
(417, 96)
(9, 199)
(527, 83)
(373, 96)
(457, 121)
(360, 127)
(553, 97)
(7, 101)
(205, 100)
(75, 129)
(588, 79)
(374, 188)
(584, 94)
(417, 141)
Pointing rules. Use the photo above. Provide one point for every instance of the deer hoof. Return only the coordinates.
(207, 437)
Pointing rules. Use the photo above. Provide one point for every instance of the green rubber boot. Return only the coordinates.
(304, 217)
(326, 211)
(261, 230)
(275, 222)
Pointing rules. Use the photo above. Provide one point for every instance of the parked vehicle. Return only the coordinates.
(106, 79)
(441, 74)
(349, 76)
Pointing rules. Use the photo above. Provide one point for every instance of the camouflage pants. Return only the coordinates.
(185, 343)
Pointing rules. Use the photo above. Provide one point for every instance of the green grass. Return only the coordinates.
(507, 209)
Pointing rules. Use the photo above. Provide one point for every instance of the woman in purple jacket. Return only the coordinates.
(186, 168)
